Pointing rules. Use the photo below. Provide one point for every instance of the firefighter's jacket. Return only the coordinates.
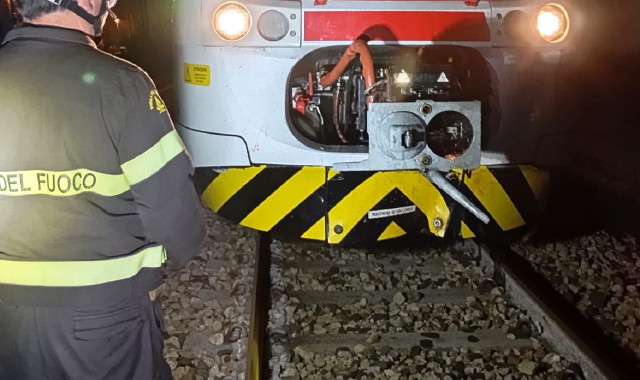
(95, 183)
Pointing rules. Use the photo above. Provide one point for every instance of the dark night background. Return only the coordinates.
(146, 30)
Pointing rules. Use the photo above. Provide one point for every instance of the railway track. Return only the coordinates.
(208, 306)
(441, 313)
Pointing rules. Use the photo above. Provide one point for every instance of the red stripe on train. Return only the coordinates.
(396, 26)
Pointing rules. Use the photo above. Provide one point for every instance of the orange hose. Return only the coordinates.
(358, 46)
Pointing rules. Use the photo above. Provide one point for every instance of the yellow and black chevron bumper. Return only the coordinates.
(357, 207)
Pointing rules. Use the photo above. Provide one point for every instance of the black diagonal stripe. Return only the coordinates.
(343, 184)
(476, 225)
(412, 223)
(255, 192)
(202, 178)
(518, 190)
(368, 230)
(316, 206)
(454, 229)
(304, 216)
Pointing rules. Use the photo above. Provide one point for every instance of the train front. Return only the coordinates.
(357, 121)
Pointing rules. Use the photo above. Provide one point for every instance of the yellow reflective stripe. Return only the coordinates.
(331, 173)
(227, 184)
(424, 195)
(317, 231)
(537, 179)
(79, 273)
(353, 207)
(62, 183)
(154, 159)
(466, 231)
(493, 197)
(392, 231)
(287, 197)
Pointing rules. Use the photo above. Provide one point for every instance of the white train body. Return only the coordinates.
(240, 118)
(257, 101)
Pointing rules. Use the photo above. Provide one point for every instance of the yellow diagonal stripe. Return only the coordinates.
(466, 232)
(317, 231)
(537, 179)
(221, 189)
(493, 197)
(424, 195)
(352, 208)
(392, 231)
(154, 159)
(287, 197)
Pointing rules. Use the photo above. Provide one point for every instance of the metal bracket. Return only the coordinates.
(440, 181)
(398, 137)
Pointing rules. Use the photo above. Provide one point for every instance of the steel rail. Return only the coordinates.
(564, 327)
(257, 351)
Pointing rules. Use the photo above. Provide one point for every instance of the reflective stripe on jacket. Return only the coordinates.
(95, 183)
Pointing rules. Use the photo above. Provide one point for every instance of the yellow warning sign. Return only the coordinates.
(197, 74)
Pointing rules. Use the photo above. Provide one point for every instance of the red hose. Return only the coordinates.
(358, 46)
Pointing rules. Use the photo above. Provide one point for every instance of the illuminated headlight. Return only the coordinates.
(553, 23)
(231, 21)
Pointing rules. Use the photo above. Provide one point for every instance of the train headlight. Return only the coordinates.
(231, 21)
(553, 23)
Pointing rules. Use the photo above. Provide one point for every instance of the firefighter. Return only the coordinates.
(95, 196)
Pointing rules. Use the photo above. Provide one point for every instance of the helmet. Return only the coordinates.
(96, 21)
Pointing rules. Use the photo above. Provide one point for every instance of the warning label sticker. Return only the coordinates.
(443, 78)
(197, 74)
(376, 214)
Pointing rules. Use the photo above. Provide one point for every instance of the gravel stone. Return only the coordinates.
(374, 338)
(599, 274)
(403, 312)
(173, 342)
(216, 339)
(196, 318)
(399, 299)
(426, 343)
(364, 350)
(527, 367)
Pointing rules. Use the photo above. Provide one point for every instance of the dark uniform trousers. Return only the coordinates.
(120, 342)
